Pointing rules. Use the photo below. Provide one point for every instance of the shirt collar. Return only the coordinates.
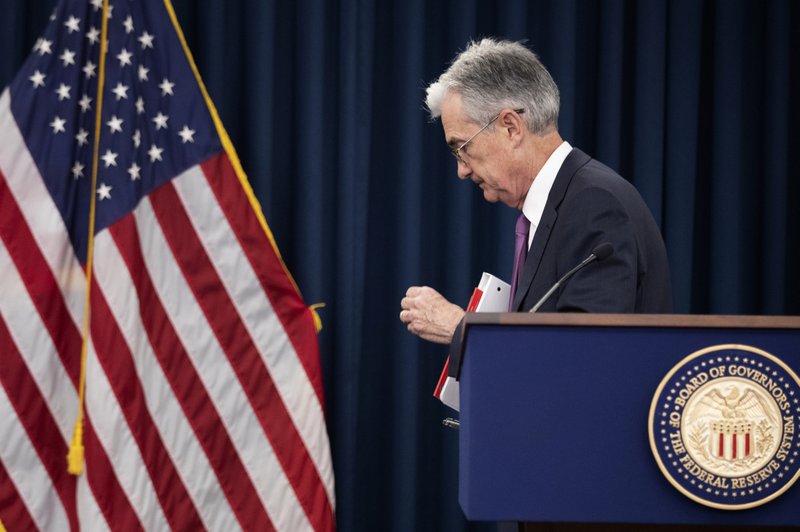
(533, 208)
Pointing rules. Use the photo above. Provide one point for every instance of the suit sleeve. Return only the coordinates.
(591, 217)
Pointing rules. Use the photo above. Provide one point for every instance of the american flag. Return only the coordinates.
(203, 404)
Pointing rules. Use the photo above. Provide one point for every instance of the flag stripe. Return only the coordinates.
(39, 281)
(89, 514)
(254, 376)
(42, 216)
(32, 482)
(34, 344)
(115, 358)
(257, 315)
(168, 417)
(12, 508)
(218, 376)
(188, 386)
(294, 316)
(115, 437)
(35, 417)
(51, 384)
(104, 483)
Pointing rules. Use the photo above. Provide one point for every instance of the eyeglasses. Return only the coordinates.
(457, 151)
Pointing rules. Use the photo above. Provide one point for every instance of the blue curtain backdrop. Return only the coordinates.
(696, 102)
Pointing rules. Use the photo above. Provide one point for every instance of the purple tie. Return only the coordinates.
(520, 252)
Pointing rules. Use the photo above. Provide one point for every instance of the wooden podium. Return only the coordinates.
(556, 409)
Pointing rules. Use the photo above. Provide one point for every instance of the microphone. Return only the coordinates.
(599, 253)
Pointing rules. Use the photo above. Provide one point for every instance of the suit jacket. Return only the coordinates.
(590, 204)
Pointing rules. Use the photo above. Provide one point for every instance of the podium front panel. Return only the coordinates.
(554, 423)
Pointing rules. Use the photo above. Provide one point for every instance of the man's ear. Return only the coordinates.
(512, 125)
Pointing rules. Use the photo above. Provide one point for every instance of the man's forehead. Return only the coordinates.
(453, 119)
(451, 107)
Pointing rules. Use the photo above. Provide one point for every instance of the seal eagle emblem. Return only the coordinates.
(723, 426)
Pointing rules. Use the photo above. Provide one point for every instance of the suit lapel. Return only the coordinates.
(575, 160)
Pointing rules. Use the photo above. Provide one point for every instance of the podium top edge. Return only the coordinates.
(566, 319)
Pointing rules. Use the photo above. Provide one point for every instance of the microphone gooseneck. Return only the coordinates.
(600, 253)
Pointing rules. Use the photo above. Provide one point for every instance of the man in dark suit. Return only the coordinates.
(590, 204)
(499, 110)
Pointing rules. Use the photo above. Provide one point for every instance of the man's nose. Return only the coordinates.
(464, 170)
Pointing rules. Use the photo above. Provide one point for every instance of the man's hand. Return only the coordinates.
(429, 315)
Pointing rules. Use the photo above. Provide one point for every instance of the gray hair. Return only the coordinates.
(494, 75)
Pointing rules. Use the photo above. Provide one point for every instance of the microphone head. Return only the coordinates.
(603, 251)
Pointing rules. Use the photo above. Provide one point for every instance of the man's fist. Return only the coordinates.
(429, 315)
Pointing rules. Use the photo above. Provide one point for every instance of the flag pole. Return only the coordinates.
(75, 456)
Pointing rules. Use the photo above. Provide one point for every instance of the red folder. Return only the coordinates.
(473, 304)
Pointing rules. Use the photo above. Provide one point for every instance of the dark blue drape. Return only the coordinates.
(696, 102)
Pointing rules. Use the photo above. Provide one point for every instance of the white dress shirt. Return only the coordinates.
(533, 208)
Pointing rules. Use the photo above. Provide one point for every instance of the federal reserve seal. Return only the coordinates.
(724, 426)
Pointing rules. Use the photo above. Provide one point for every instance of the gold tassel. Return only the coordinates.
(317, 320)
(75, 455)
